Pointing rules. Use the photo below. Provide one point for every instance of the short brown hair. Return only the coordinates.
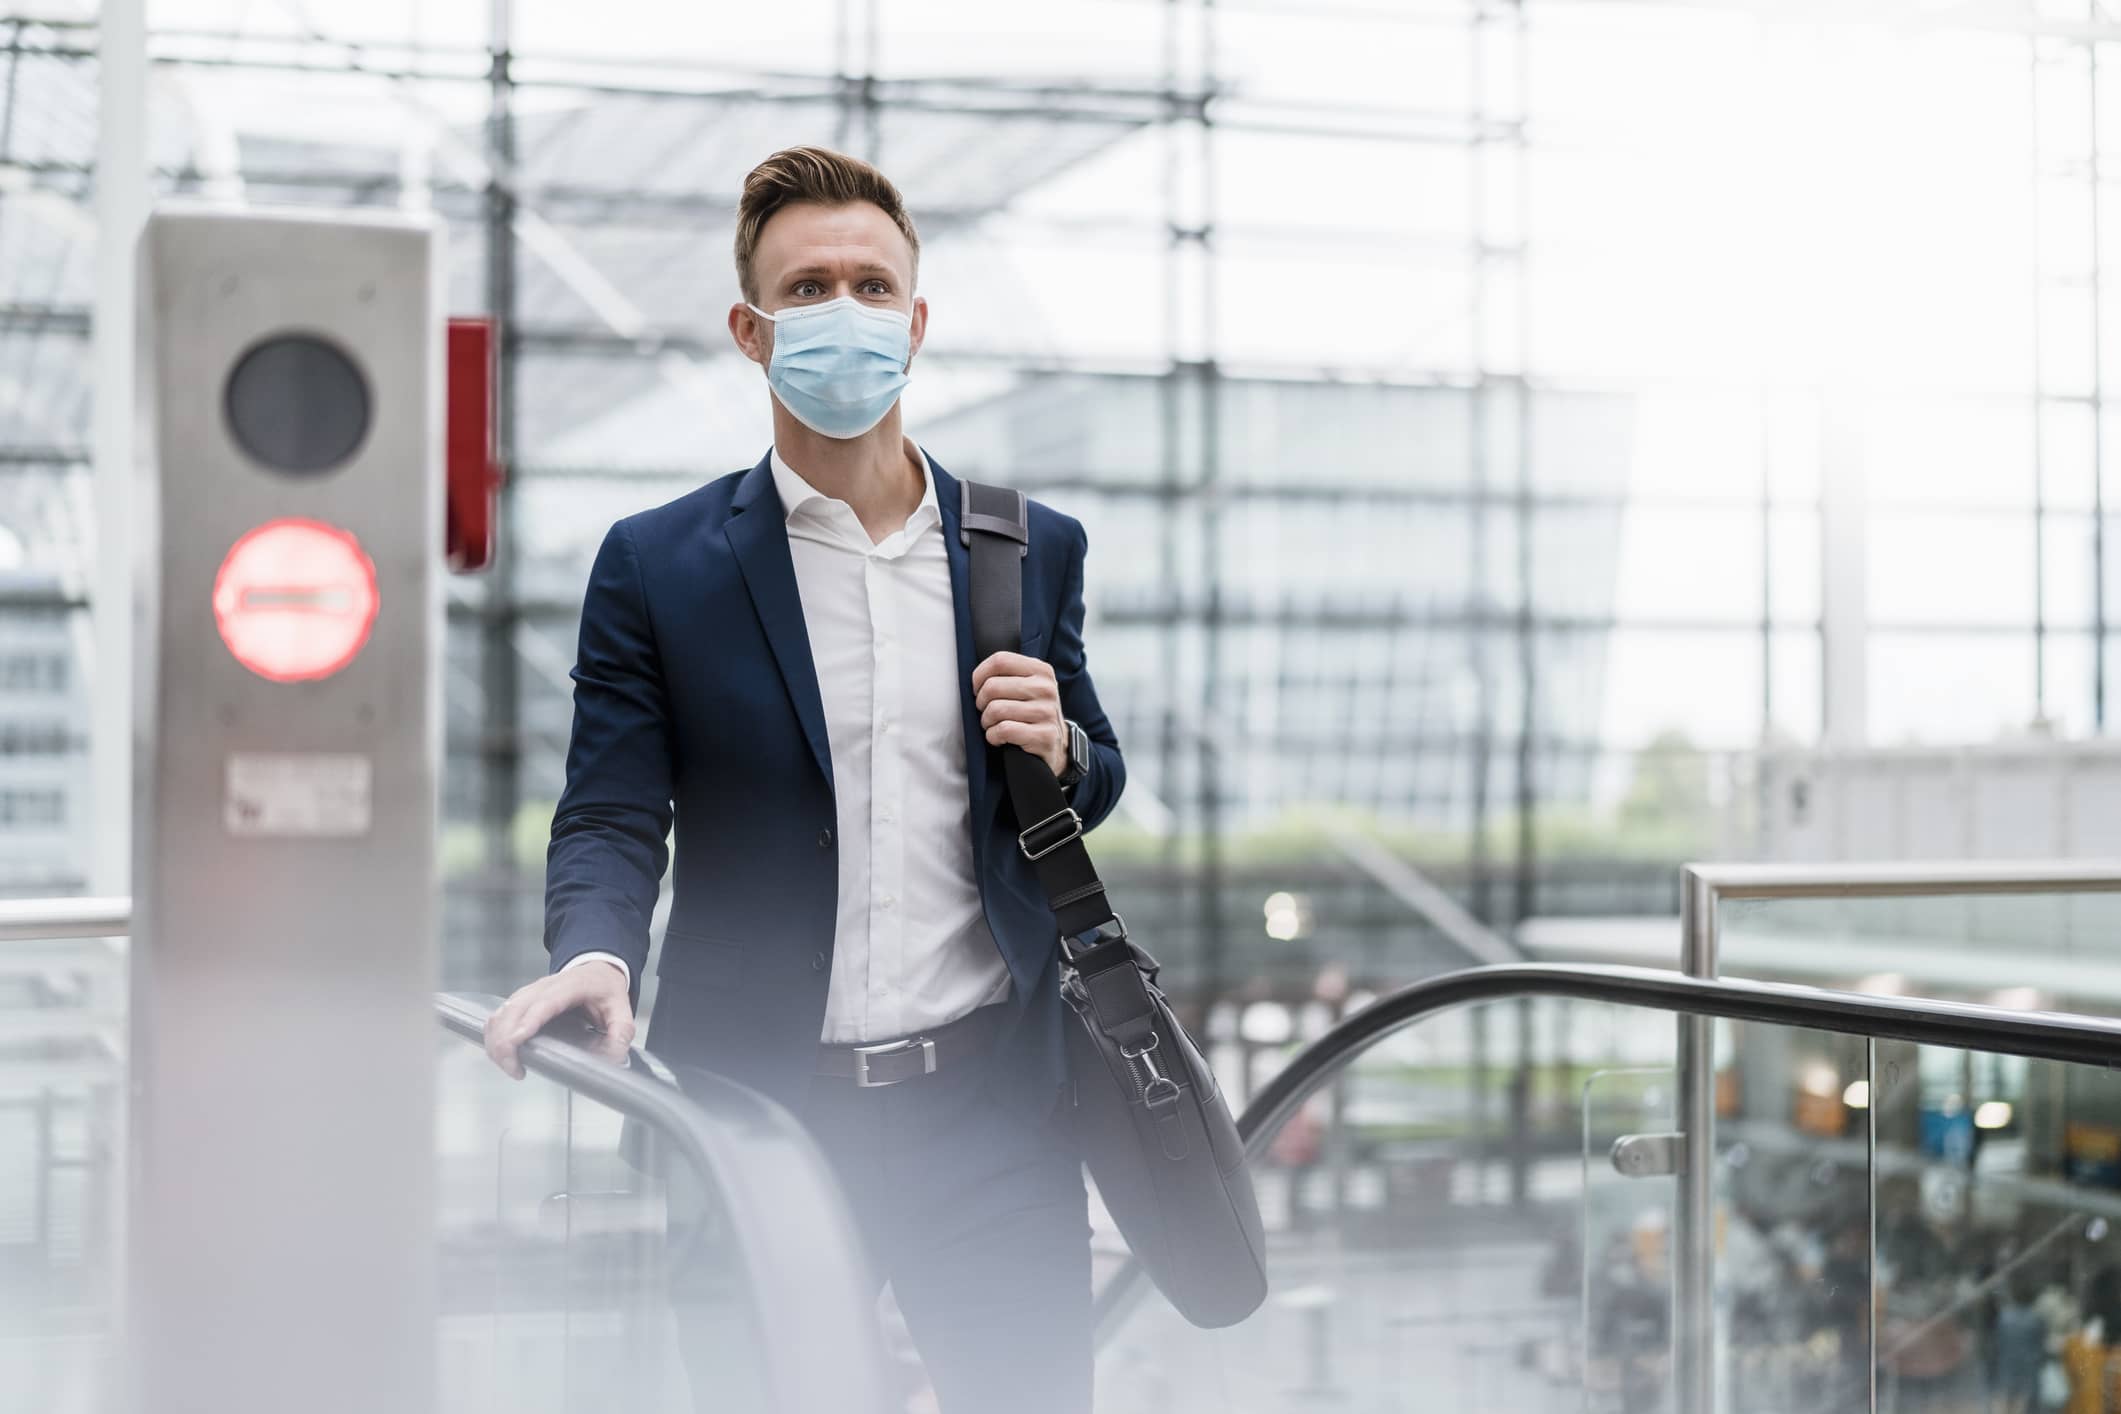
(811, 174)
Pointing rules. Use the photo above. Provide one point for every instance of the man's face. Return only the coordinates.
(810, 253)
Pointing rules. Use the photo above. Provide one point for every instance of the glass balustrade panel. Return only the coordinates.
(2057, 950)
(1997, 1184)
(585, 1264)
(1428, 1211)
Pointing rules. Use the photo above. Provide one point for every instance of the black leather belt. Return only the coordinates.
(876, 1063)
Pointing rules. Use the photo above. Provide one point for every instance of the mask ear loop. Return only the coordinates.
(770, 319)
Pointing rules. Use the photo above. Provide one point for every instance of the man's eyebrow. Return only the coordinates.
(811, 272)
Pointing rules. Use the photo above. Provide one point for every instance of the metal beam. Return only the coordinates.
(41, 919)
(500, 670)
(121, 210)
(25, 318)
(1479, 942)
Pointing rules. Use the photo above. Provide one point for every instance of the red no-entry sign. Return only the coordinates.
(295, 599)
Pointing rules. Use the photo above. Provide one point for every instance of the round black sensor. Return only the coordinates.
(297, 404)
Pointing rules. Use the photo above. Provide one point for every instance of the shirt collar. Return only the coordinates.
(796, 493)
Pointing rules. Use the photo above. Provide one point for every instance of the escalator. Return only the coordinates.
(609, 1241)
(1910, 1209)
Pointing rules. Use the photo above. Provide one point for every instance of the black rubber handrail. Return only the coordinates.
(801, 1258)
(1966, 1026)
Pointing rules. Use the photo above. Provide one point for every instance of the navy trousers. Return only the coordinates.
(971, 1205)
(967, 1194)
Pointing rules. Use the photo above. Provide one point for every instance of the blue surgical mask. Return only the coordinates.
(838, 366)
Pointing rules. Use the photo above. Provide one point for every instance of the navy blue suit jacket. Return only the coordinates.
(696, 701)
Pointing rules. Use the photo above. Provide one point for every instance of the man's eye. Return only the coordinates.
(808, 289)
(876, 287)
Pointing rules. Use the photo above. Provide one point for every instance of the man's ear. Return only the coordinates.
(752, 335)
(920, 326)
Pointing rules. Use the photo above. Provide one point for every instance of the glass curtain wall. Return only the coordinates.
(1484, 414)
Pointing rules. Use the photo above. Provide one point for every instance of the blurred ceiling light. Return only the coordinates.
(2016, 998)
(1819, 1079)
(1992, 1114)
(1884, 984)
(1266, 1024)
(1858, 1095)
(1284, 917)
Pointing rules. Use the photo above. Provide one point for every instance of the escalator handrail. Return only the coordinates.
(790, 1224)
(1966, 1026)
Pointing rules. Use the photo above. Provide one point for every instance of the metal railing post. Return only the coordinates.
(1694, 1227)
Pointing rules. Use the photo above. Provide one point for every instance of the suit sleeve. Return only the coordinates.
(610, 833)
(1098, 791)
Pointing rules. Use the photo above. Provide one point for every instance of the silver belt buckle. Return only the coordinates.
(892, 1048)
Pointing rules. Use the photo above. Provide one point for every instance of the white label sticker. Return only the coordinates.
(309, 796)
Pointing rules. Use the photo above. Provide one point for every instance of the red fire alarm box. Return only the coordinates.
(474, 473)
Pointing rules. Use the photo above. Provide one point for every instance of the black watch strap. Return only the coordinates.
(1078, 755)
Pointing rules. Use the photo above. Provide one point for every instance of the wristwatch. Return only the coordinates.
(1078, 754)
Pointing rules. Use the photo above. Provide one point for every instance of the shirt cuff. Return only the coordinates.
(611, 957)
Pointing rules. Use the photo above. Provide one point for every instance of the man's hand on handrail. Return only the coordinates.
(597, 988)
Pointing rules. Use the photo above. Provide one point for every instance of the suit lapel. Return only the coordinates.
(757, 532)
(976, 753)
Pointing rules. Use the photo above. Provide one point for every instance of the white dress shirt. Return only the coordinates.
(911, 948)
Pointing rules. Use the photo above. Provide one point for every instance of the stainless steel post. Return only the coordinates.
(1694, 1235)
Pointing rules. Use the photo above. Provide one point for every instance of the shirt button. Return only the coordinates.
(885, 902)
(817, 962)
(824, 839)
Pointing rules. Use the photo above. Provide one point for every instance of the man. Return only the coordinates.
(782, 660)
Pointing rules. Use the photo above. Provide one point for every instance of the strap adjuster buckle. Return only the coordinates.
(863, 1054)
(1112, 930)
(1071, 827)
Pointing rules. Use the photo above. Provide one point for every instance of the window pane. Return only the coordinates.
(1689, 565)
(1945, 688)
(1951, 568)
(1973, 452)
(1633, 687)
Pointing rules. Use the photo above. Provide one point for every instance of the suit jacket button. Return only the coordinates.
(817, 962)
(824, 839)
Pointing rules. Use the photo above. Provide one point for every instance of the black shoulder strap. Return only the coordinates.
(995, 527)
